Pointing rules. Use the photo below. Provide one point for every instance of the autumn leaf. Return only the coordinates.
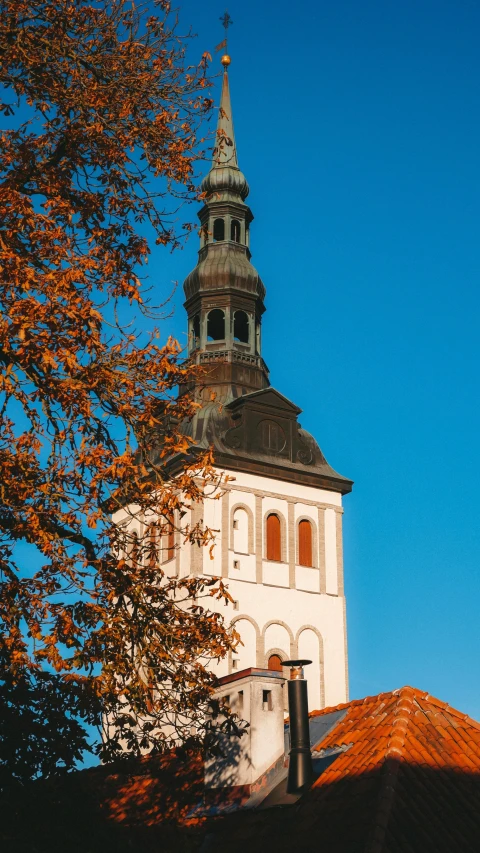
(103, 117)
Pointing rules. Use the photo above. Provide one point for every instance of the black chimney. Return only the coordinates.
(300, 770)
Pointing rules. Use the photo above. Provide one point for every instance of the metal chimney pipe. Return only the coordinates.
(300, 770)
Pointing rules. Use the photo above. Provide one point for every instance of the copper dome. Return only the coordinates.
(225, 179)
(225, 265)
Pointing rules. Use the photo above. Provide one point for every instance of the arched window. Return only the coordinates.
(275, 663)
(274, 538)
(152, 545)
(218, 230)
(305, 550)
(216, 325)
(169, 532)
(235, 231)
(240, 327)
(133, 550)
(240, 531)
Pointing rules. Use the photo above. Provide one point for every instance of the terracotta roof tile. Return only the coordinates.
(408, 783)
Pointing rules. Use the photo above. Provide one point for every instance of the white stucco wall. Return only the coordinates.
(296, 610)
(280, 607)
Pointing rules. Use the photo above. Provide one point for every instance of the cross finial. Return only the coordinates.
(226, 21)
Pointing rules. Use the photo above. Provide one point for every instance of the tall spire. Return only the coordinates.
(225, 177)
(224, 293)
(225, 151)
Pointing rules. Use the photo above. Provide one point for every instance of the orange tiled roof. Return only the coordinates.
(408, 782)
(428, 755)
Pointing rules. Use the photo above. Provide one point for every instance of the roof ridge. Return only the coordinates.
(393, 755)
(444, 706)
(423, 694)
(356, 702)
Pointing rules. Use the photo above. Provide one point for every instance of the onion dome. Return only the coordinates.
(225, 266)
(222, 179)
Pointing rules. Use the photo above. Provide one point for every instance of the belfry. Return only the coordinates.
(279, 518)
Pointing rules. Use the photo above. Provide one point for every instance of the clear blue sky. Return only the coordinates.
(358, 129)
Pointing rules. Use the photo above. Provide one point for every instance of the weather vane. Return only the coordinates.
(226, 22)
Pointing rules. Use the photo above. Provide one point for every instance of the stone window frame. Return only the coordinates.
(163, 540)
(258, 641)
(321, 657)
(314, 542)
(283, 536)
(281, 654)
(124, 525)
(293, 646)
(251, 528)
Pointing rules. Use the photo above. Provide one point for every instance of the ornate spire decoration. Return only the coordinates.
(224, 293)
(226, 22)
(225, 151)
(225, 175)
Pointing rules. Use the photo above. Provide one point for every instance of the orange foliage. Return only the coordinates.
(104, 120)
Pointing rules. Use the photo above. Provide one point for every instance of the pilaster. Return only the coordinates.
(196, 551)
(225, 533)
(291, 544)
(321, 549)
(339, 542)
(258, 539)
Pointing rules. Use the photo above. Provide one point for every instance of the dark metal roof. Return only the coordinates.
(259, 433)
(224, 266)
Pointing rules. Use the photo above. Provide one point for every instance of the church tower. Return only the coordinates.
(279, 545)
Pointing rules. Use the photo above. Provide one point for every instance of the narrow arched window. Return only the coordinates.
(305, 549)
(257, 338)
(218, 230)
(275, 663)
(152, 543)
(133, 550)
(274, 538)
(235, 231)
(240, 531)
(240, 327)
(216, 325)
(169, 532)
